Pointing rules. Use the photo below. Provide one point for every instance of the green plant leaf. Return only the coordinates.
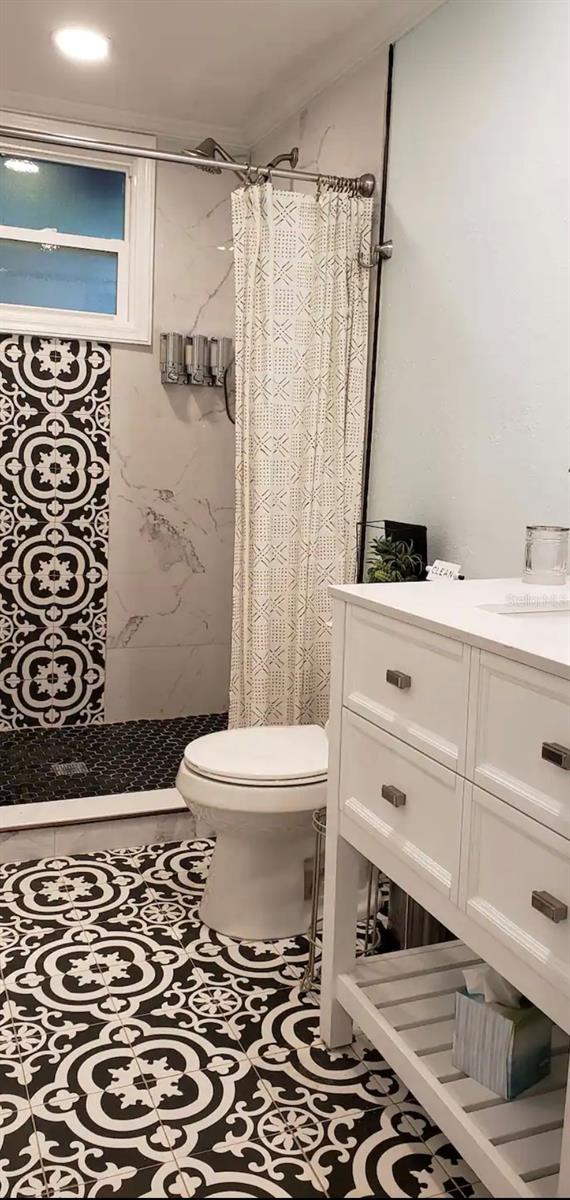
(392, 562)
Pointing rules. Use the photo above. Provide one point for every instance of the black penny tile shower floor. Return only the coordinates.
(96, 760)
(144, 1054)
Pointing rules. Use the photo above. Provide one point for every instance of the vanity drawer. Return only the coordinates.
(409, 804)
(411, 682)
(508, 859)
(518, 711)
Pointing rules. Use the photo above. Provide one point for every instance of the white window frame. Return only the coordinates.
(135, 252)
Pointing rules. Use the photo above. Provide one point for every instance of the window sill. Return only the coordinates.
(65, 323)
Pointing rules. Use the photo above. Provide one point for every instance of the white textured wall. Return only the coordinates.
(172, 477)
(471, 429)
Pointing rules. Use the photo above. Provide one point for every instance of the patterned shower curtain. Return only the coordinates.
(301, 357)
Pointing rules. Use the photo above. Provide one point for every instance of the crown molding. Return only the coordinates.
(34, 123)
(173, 129)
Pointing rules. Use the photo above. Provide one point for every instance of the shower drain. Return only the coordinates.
(69, 768)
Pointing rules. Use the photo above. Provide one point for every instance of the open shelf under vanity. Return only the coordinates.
(404, 1002)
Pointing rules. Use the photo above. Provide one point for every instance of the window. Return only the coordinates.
(76, 240)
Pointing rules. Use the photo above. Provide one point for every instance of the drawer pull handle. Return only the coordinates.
(393, 795)
(398, 679)
(553, 752)
(549, 906)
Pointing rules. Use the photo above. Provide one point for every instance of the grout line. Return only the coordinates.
(322, 1182)
(27, 1102)
(81, 1189)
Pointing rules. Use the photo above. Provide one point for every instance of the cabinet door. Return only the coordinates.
(411, 682)
(519, 730)
(515, 883)
(408, 804)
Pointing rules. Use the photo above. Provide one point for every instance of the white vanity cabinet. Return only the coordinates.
(450, 770)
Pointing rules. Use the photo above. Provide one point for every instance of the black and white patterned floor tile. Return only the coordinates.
(421, 1125)
(164, 1180)
(175, 870)
(268, 1023)
(227, 1103)
(143, 1054)
(390, 1083)
(251, 1169)
(240, 966)
(325, 1083)
(371, 1153)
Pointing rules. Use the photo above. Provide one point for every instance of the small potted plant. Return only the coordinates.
(393, 561)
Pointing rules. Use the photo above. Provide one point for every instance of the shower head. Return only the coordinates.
(207, 149)
(210, 148)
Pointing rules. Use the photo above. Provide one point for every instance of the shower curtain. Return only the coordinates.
(301, 357)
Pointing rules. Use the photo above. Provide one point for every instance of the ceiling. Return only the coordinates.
(232, 68)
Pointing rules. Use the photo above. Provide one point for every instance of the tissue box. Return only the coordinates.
(505, 1049)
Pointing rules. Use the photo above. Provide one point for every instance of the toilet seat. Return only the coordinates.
(262, 756)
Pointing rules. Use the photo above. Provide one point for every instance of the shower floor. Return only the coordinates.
(96, 760)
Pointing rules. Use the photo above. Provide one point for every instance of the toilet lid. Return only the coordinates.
(269, 754)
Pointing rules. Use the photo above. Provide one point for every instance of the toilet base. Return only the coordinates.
(255, 888)
(256, 883)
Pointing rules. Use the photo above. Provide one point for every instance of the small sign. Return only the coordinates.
(443, 570)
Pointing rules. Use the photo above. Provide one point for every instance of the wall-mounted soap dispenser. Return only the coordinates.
(221, 354)
(172, 364)
(195, 359)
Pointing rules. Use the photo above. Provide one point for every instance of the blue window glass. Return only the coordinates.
(38, 194)
(58, 277)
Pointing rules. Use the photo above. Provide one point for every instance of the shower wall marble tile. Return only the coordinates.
(172, 478)
(341, 130)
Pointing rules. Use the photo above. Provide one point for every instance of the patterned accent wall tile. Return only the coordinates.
(54, 516)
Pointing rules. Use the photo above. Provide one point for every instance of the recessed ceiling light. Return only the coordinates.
(23, 165)
(83, 45)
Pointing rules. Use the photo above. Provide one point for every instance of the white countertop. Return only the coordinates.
(454, 608)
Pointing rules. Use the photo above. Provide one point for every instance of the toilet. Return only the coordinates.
(257, 789)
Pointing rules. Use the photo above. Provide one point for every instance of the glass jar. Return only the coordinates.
(546, 554)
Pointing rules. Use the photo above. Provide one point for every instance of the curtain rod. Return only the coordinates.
(366, 183)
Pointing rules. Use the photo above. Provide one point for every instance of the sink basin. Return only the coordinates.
(520, 609)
